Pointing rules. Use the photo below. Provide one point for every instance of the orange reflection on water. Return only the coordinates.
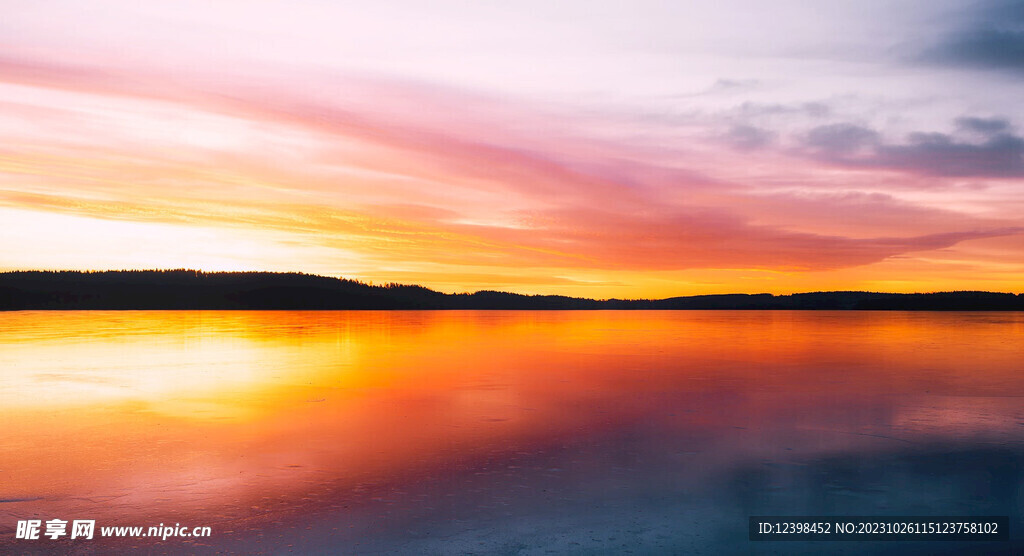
(242, 419)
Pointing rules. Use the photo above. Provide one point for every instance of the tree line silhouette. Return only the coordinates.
(193, 289)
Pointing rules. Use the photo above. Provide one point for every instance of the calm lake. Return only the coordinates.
(505, 432)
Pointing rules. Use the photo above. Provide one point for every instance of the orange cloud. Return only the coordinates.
(427, 184)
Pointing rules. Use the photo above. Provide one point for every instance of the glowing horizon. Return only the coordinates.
(591, 151)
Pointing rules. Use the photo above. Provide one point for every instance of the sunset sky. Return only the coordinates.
(598, 149)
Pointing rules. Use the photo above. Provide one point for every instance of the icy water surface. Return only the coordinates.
(505, 432)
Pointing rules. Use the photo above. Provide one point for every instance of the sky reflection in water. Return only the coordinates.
(506, 431)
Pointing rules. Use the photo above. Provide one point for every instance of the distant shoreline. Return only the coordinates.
(183, 290)
(194, 290)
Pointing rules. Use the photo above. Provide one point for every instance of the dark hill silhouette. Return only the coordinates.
(190, 289)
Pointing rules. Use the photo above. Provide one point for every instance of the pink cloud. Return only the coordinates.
(427, 174)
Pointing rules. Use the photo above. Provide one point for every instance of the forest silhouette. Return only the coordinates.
(192, 289)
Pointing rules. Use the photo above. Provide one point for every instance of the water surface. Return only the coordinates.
(505, 432)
